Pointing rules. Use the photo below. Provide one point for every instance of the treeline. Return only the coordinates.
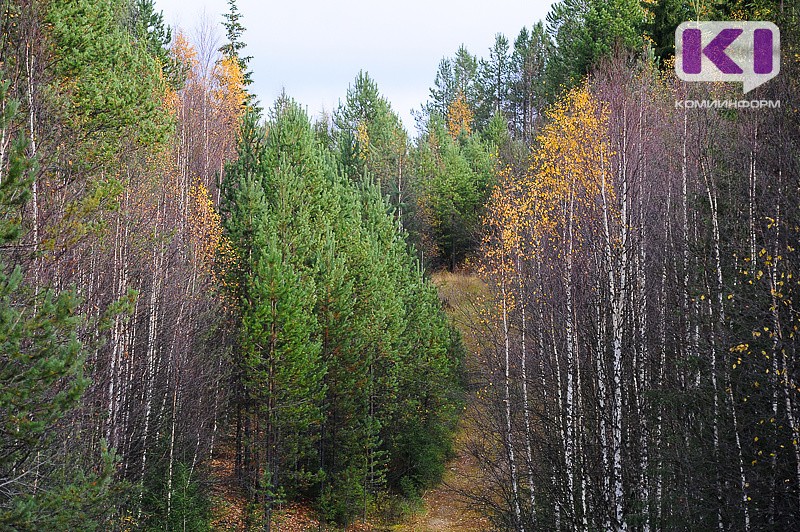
(639, 364)
(180, 275)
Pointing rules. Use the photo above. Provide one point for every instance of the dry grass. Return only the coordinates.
(445, 508)
(463, 295)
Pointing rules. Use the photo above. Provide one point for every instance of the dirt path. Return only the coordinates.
(445, 510)
(227, 498)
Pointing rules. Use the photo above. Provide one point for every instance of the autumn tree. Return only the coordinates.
(459, 117)
(638, 324)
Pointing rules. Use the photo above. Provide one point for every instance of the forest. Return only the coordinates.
(218, 313)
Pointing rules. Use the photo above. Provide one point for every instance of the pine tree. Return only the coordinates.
(494, 81)
(373, 145)
(283, 371)
(532, 50)
(460, 175)
(147, 25)
(456, 75)
(323, 282)
(273, 209)
(585, 31)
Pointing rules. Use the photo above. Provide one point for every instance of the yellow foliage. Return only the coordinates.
(459, 117)
(362, 138)
(562, 200)
(567, 182)
(229, 94)
(183, 51)
(572, 162)
(205, 228)
(171, 101)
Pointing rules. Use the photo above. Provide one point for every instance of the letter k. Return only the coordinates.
(714, 51)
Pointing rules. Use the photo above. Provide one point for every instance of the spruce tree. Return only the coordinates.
(233, 32)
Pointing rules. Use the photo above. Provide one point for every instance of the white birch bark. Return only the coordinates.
(3, 140)
(29, 66)
(712, 199)
(617, 297)
(152, 338)
(171, 449)
(569, 331)
(641, 305)
(662, 364)
(685, 235)
(602, 395)
(525, 406)
(788, 383)
(562, 421)
(507, 406)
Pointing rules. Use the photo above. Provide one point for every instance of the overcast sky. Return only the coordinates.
(314, 49)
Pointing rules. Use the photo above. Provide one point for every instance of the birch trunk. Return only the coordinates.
(789, 384)
(569, 331)
(602, 395)
(712, 199)
(507, 400)
(641, 307)
(152, 338)
(29, 67)
(525, 405)
(617, 297)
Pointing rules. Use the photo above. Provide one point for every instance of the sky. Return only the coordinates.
(314, 49)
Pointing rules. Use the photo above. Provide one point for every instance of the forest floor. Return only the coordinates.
(443, 508)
